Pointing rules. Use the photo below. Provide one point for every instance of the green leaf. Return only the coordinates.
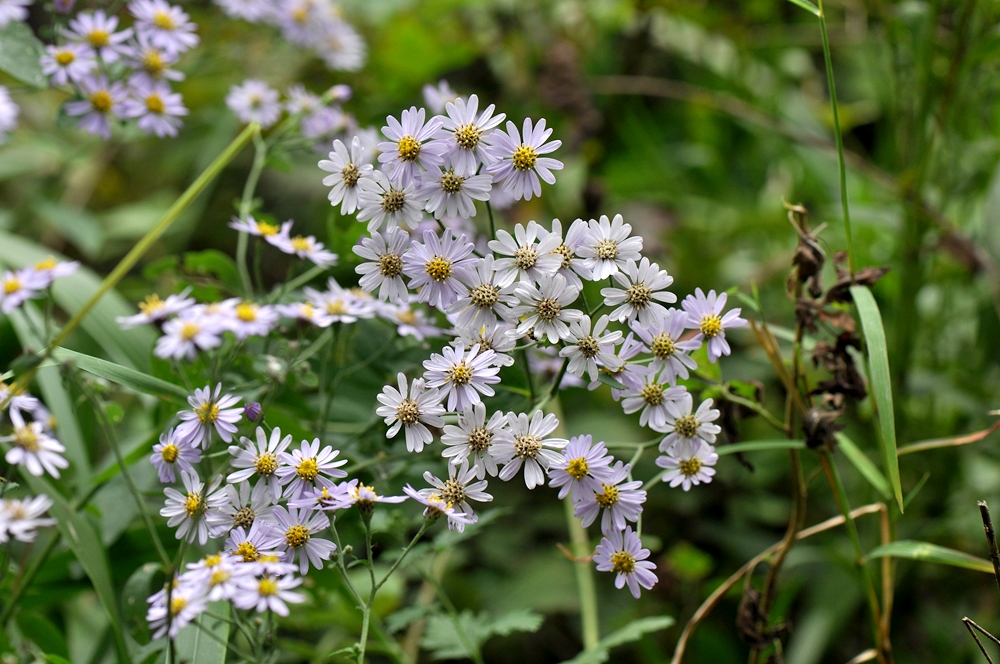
(194, 646)
(610, 381)
(20, 51)
(213, 263)
(126, 347)
(634, 631)
(123, 376)
(56, 659)
(864, 465)
(138, 587)
(446, 637)
(759, 446)
(806, 5)
(878, 372)
(931, 553)
(82, 539)
(43, 633)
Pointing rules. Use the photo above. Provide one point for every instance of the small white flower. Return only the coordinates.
(621, 552)
(451, 195)
(525, 443)
(21, 518)
(459, 489)
(301, 469)
(153, 309)
(219, 574)
(306, 247)
(166, 25)
(243, 508)
(173, 451)
(338, 304)
(253, 543)
(689, 463)
(529, 260)
(652, 398)
(485, 300)
(268, 593)
(437, 97)
(188, 511)
(381, 202)
(489, 337)
(519, 164)
(294, 532)
(705, 315)
(410, 144)
(183, 337)
(621, 501)
(584, 467)
(187, 602)
(436, 507)
(631, 376)
(261, 459)
(305, 311)
(682, 424)
(462, 377)
(254, 101)
(572, 266)
(411, 322)
(348, 169)
(471, 442)
(466, 136)
(587, 351)
(17, 10)
(50, 269)
(608, 247)
(356, 494)
(67, 63)
(209, 411)
(254, 227)
(17, 287)
(543, 309)
(413, 412)
(33, 448)
(437, 268)
(642, 290)
(98, 31)
(670, 353)
(385, 267)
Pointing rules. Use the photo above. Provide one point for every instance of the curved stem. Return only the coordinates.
(246, 206)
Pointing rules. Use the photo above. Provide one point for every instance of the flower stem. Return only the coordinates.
(584, 580)
(246, 205)
(493, 223)
(837, 135)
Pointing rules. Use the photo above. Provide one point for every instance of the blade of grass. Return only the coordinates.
(931, 553)
(881, 385)
(864, 465)
(760, 446)
(123, 376)
(808, 6)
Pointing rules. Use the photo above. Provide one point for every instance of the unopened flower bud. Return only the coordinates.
(252, 411)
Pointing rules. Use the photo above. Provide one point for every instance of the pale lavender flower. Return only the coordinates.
(585, 466)
(410, 143)
(154, 310)
(519, 164)
(652, 398)
(13, 10)
(489, 337)
(436, 507)
(414, 411)
(157, 107)
(705, 315)
(295, 532)
(524, 443)
(523, 257)
(302, 468)
(341, 47)
(8, 114)
(33, 448)
(437, 97)
(101, 102)
(261, 459)
(254, 101)
(384, 268)
(589, 350)
(608, 247)
(670, 352)
(173, 452)
(411, 322)
(268, 593)
(438, 266)
(452, 195)
(459, 489)
(209, 411)
(244, 507)
(621, 552)
(632, 376)
(183, 337)
(16, 287)
(251, 543)
(688, 463)
(151, 63)
(466, 136)
(98, 31)
(187, 602)
(258, 228)
(471, 442)
(543, 308)
(485, 300)
(252, 11)
(642, 289)
(306, 247)
(382, 202)
(621, 501)
(188, 511)
(572, 266)
(462, 376)
(68, 62)
(684, 423)
(348, 168)
(20, 519)
(167, 26)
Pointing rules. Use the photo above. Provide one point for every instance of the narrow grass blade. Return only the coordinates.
(205, 643)
(806, 5)
(759, 446)
(864, 465)
(123, 376)
(931, 553)
(955, 441)
(881, 386)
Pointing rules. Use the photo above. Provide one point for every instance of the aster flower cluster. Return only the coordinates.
(31, 282)
(321, 118)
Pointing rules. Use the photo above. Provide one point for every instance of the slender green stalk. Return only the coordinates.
(246, 205)
(405, 552)
(493, 224)
(584, 580)
(366, 610)
(837, 135)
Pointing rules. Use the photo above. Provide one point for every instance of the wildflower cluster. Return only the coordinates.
(321, 118)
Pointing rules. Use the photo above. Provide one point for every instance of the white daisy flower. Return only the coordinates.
(156, 108)
(341, 47)
(306, 247)
(173, 452)
(356, 494)
(642, 290)
(305, 311)
(465, 136)
(218, 573)
(248, 319)
(462, 377)
(51, 269)
(529, 260)
(543, 308)
(209, 411)
(268, 593)
(621, 501)
(166, 25)
(588, 350)
(572, 266)
(621, 552)
(153, 309)
(436, 507)
(519, 164)
(348, 169)
(183, 337)
(339, 304)
(608, 247)
(459, 489)
(261, 459)
(410, 143)
(254, 227)
(253, 543)
(187, 602)
(33, 448)
(243, 508)
(584, 467)
(670, 353)
(414, 412)
(437, 268)
(451, 195)
(385, 267)
(254, 101)
(18, 287)
(188, 510)
(524, 443)
(294, 532)
(381, 202)
(705, 315)
(67, 63)
(471, 442)
(301, 469)
(688, 463)
(17, 10)
(8, 109)
(19, 400)
(489, 337)
(631, 376)
(682, 424)
(652, 398)
(20, 519)
(485, 300)
(98, 31)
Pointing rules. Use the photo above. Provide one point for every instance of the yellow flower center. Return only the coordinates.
(190, 331)
(527, 446)
(451, 183)
(461, 373)
(548, 309)
(409, 148)
(438, 268)
(526, 257)
(467, 136)
(336, 308)
(350, 175)
(606, 249)
(266, 229)
(484, 296)
(393, 201)
(524, 157)
(46, 264)
(453, 492)
(177, 604)
(300, 243)
(153, 63)
(11, 285)
(169, 453)
(152, 304)
(307, 469)
(297, 536)
(212, 560)
(686, 426)
(408, 412)
(390, 266)
(588, 346)
(652, 394)
(26, 439)
(608, 498)
(246, 312)
(711, 325)
(639, 295)
(64, 58)
(101, 101)
(622, 562)
(407, 317)
(266, 464)
(577, 468)
(163, 21)
(267, 586)
(248, 551)
(98, 38)
(690, 467)
(244, 517)
(207, 412)
(219, 576)
(192, 505)
(480, 439)
(155, 104)
(663, 346)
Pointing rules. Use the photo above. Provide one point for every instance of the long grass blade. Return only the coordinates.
(931, 553)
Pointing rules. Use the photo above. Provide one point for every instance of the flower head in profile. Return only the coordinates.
(705, 315)
(621, 552)
(306, 247)
(384, 267)
(261, 459)
(520, 163)
(33, 447)
(154, 309)
(362, 496)
(689, 462)
(209, 411)
(582, 471)
(410, 146)
(608, 247)
(435, 507)
(461, 486)
(168, 618)
(347, 168)
(173, 453)
(254, 101)
(461, 375)
(20, 518)
(438, 267)
(525, 443)
(187, 511)
(412, 410)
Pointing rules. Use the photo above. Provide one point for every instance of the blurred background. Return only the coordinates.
(694, 120)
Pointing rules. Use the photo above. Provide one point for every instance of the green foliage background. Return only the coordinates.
(732, 118)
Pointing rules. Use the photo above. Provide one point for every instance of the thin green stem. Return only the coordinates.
(584, 580)
(366, 609)
(246, 206)
(409, 547)
(493, 224)
(837, 135)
